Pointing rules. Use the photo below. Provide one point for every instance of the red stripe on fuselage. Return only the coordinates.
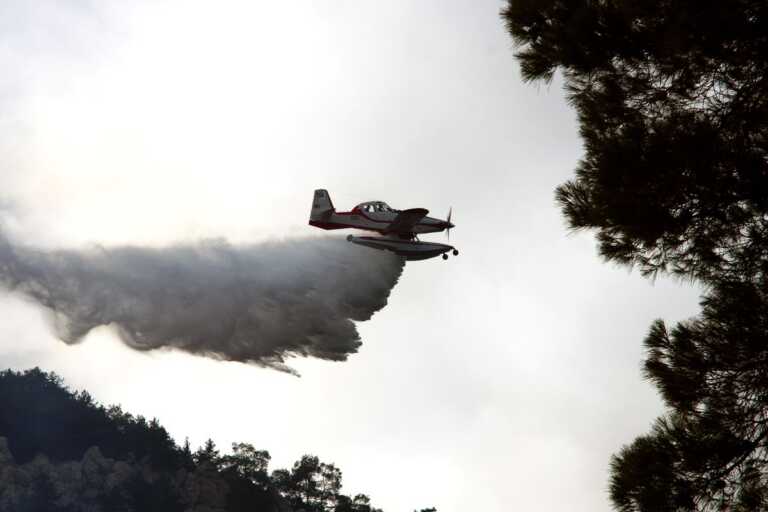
(438, 224)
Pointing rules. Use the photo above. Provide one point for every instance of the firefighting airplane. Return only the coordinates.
(400, 228)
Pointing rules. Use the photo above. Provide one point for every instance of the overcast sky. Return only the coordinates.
(504, 377)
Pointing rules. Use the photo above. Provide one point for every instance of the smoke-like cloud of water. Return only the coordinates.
(257, 303)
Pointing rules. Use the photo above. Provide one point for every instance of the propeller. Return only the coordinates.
(448, 230)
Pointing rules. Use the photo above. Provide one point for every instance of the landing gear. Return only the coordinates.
(349, 238)
(445, 256)
(455, 252)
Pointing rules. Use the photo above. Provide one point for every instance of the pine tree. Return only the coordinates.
(672, 99)
(672, 102)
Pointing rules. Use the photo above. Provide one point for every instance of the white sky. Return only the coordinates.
(504, 377)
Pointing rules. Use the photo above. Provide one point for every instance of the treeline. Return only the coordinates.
(60, 451)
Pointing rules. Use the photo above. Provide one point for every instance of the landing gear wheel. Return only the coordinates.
(455, 252)
(349, 238)
(445, 256)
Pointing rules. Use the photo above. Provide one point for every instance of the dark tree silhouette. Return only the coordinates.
(329, 486)
(40, 495)
(303, 484)
(249, 463)
(711, 452)
(38, 414)
(360, 503)
(208, 454)
(672, 100)
(312, 483)
(62, 452)
(246, 473)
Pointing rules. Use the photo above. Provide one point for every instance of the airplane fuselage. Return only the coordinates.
(375, 221)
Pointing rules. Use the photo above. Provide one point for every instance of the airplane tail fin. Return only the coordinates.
(321, 205)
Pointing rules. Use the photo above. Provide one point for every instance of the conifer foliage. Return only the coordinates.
(672, 102)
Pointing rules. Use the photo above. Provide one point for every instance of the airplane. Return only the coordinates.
(399, 228)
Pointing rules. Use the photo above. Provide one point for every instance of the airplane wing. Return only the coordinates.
(406, 219)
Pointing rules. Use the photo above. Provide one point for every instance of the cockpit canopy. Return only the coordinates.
(374, 207)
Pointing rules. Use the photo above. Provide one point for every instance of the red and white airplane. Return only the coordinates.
(400, 228)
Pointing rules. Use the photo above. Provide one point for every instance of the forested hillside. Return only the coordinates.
(61, 451)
